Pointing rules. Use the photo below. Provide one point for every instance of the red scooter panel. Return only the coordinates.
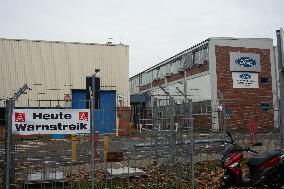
(235, 158)
(271, 163)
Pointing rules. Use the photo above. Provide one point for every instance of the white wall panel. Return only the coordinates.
(198, 88)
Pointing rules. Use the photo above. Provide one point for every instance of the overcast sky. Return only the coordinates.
(154, 29)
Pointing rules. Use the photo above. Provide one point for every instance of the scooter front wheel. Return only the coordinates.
(226, 181)
(223, 185)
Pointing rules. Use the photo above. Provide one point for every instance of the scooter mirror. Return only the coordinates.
(257, 144)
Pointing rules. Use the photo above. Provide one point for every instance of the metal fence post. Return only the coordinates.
(8, 175)
(191, 143)
(10, 165)
(224, 115)
(280, 45)
(172, 128)
(93, 173)
(155, 116)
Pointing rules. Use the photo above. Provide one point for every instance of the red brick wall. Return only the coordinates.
(190, 71)
(158, 83)
(198, 69)
(144, 87)
(244, 104)
(124, 115)
(202, 121)
(175, 77)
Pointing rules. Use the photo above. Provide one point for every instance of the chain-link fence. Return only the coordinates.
(162, 149)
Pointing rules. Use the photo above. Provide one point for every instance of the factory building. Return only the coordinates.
(240, 73)
(56, 71)
(53, 69)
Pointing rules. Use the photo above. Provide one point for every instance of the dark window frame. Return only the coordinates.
(264, 80)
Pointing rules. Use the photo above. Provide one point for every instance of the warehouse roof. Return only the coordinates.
(46, 41)
(196, 47)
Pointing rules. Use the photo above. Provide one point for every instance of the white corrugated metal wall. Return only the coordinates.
(52, 69)
(198, 87)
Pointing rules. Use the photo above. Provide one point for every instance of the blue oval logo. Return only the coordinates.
(246, 62)
(245, 76)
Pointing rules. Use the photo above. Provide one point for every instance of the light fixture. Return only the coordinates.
(96, 71)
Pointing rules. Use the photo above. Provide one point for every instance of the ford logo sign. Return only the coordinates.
(245, 76)
(245, 62)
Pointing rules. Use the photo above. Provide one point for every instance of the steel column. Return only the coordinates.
(93, 173)
(9, 110)
(171, 111)
(191, 143)
(280, 45)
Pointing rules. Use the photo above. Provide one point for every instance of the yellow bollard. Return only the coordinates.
(117, 127)
(73, 147)
(106, 143)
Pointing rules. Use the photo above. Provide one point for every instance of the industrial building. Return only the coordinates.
(53, 69)
(56, 74)
(239, 73)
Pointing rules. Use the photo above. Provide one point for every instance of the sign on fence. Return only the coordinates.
(50, 121)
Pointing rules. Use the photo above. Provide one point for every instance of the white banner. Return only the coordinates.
(245, 80)
(50, 121)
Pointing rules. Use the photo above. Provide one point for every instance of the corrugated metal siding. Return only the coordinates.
(173, 65)
(60, 67)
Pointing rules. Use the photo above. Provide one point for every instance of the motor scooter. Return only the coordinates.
(265, 170)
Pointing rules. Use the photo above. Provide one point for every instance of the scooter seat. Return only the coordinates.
(258, 160)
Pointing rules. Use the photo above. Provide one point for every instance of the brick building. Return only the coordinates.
(242, 71)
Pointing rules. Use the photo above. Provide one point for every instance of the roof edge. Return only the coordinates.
(66, 42)
(235, 38)
(174, 56)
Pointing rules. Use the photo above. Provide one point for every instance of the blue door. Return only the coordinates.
(105, 117)
(78, 99)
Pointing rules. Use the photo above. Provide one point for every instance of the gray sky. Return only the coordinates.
(154, 30)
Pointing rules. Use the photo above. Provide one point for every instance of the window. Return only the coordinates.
(200, 55)
(264, 105)
(264, 80)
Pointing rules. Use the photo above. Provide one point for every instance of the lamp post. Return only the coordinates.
(93, 173)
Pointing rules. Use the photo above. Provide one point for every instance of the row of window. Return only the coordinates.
(187, 60)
